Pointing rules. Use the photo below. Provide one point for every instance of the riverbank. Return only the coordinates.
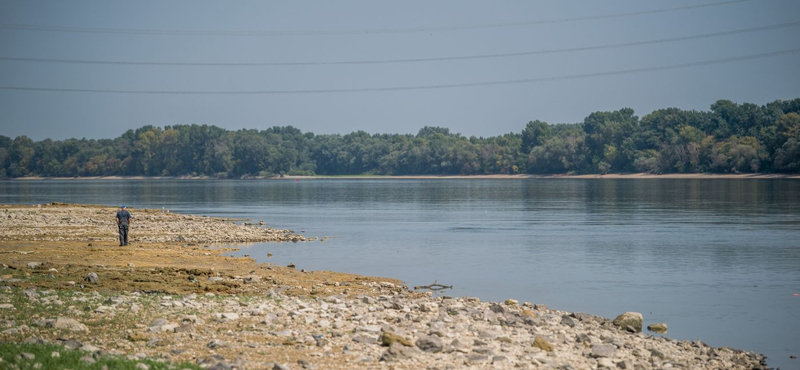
(566, 176)
(641, 175)
(169, 296)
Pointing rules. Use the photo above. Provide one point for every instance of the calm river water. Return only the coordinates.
(717, 260)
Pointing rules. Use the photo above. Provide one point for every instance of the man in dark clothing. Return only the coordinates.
(123, 221)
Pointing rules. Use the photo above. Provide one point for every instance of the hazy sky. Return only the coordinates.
(303, 32)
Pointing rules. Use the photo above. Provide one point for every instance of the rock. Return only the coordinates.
(397, 352)
(27, 356)
(187, 327)
(169, 327)
(280, 367)
(428, 307)
(226, 316)
(158, 322)
(72, 344)
(141, 366)
(92, 278)
(362, 338)
(540, 307)
(659, 328)
(632, 319)
(499, 359)
(542, 344)
(215, 279)
(137, 337)
(69, 324)
(11, 331)
(605, 363)
(370, 328)
(658, 354)
(388, 338)
(7, 306)
(216, 343)
(34, 265)
(430, 343)
(250, 279)
(603, 350)
(512, 302)
(568, 321)
(89, 348)
(88, 359)
(478, 358)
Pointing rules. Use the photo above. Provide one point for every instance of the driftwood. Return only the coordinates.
(434, 286)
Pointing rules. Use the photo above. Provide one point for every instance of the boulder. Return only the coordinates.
(632, 319)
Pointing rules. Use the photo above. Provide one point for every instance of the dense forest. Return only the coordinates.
(729, 138)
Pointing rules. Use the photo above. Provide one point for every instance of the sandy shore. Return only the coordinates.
(63, 279)
(456, 177)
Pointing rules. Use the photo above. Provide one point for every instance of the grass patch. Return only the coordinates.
(12, 359)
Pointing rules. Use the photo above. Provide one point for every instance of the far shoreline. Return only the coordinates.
(613, 176)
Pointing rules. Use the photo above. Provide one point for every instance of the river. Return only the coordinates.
(715, 259)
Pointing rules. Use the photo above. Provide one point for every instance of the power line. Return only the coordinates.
(408, 60)
(419, 87)
(31, 27)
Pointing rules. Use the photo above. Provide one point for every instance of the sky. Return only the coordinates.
(568, 69)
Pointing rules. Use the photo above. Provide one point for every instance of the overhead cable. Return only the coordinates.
(127, 31)
(408, 60)
(417, 87)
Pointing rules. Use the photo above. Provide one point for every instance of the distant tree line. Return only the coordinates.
(730, 138)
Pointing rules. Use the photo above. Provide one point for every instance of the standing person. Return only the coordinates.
(123, 221)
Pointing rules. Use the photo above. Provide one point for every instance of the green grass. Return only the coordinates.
(71, 359)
